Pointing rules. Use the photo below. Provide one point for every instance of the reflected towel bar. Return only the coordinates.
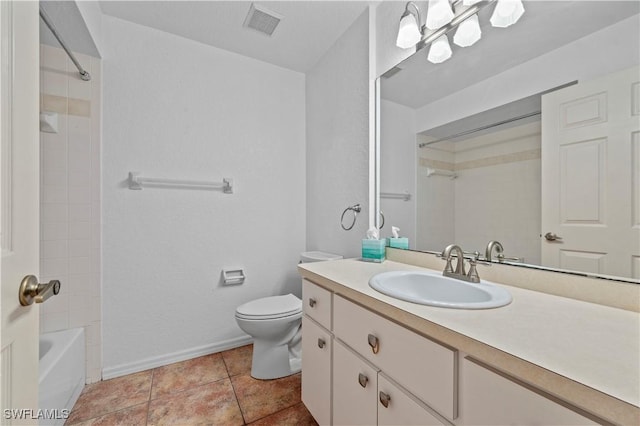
(405, 196)
(137, 182)
(438, 172)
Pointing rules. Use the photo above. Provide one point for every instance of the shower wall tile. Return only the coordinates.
(70, 200)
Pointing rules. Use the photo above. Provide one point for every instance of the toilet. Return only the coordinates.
(275, 324)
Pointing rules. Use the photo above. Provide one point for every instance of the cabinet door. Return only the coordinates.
(425, 368)
(490, 398)
(316, 370)
(355, 384)
(395, 407)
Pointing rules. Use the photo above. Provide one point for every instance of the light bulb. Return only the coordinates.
(507, 13)
(468, 32)
(408, 31)
(439, 14)
(440, 50)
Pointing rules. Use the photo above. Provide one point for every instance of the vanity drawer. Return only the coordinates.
(423, 367)
(316, 302)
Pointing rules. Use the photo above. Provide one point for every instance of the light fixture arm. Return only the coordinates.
(467, 13)
(418, 17)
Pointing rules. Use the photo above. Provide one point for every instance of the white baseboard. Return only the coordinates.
(159, 361)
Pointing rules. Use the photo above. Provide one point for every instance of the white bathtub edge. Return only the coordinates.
(159, 361)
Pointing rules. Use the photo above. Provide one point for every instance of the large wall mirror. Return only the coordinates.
(530, 137)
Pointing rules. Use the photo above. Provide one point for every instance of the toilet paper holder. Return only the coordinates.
(233, 276)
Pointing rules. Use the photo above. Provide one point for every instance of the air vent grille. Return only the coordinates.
(262, 20)
(393, 71)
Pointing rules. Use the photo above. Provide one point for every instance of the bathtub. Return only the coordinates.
(62, 370)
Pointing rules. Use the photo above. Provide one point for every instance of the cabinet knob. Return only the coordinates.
(321, 343)
(384, 399)
(363, 380)
(312, 302)
(374, 343)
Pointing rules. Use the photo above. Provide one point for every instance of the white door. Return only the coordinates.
(591, 176)
(19, 207)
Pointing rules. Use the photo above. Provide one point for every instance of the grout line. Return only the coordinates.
(235, 395)
(153, 375)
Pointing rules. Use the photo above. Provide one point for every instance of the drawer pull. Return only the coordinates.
(312, 302)
(384, 399)
(363, 380)
(374, 343)
(321, 343)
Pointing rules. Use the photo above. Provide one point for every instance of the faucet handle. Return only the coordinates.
(473, 272)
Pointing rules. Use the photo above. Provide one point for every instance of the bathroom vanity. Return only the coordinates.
(543, 359)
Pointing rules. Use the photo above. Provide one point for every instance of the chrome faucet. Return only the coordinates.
(489, 251)
(460, 273)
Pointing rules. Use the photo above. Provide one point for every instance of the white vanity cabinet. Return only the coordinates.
(317, 344)
(490, 397)
(359, 368)
(425, 368)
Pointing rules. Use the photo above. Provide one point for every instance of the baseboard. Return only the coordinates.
(159, 361)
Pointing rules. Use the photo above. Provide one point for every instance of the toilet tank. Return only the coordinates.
(317, 256)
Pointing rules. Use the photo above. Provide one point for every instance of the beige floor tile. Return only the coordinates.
(238, 360)
(213, 403)
(100, 398)
(183, 375)
(132, 416)
(260, 398)
(298, 415)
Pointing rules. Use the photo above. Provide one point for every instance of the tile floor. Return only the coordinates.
(214, 389)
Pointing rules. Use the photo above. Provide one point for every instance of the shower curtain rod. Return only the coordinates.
(469, 132)
(84, 75)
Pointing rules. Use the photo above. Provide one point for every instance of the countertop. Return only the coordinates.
(591, 351)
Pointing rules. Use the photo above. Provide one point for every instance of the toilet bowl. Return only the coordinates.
(275, 324)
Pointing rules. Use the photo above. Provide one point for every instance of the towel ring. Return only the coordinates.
(381, 217)
(355, 209)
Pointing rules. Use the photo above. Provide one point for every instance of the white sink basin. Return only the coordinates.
(431, 288)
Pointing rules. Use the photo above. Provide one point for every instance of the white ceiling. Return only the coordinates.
(70, 25)
(545, 26)
(307, 31)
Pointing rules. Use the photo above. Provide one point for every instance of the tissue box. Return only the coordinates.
(400, 243)
(373, 250)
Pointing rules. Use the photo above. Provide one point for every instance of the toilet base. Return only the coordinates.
(272, 362)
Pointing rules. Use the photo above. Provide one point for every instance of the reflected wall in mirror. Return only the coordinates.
(485, 156)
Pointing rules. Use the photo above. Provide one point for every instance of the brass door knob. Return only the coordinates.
(30, 290)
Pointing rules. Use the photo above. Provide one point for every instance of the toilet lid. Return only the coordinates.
(269, 307)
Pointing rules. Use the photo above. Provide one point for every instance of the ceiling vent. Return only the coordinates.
(262, 20)
(393, 71)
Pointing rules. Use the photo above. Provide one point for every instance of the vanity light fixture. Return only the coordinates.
(409, 32)
(439, 14)
(441, 19)
(440, 50)
(468, 32)
(507, 13)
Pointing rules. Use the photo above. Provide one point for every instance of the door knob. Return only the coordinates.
(550, 236)
(31, 290)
